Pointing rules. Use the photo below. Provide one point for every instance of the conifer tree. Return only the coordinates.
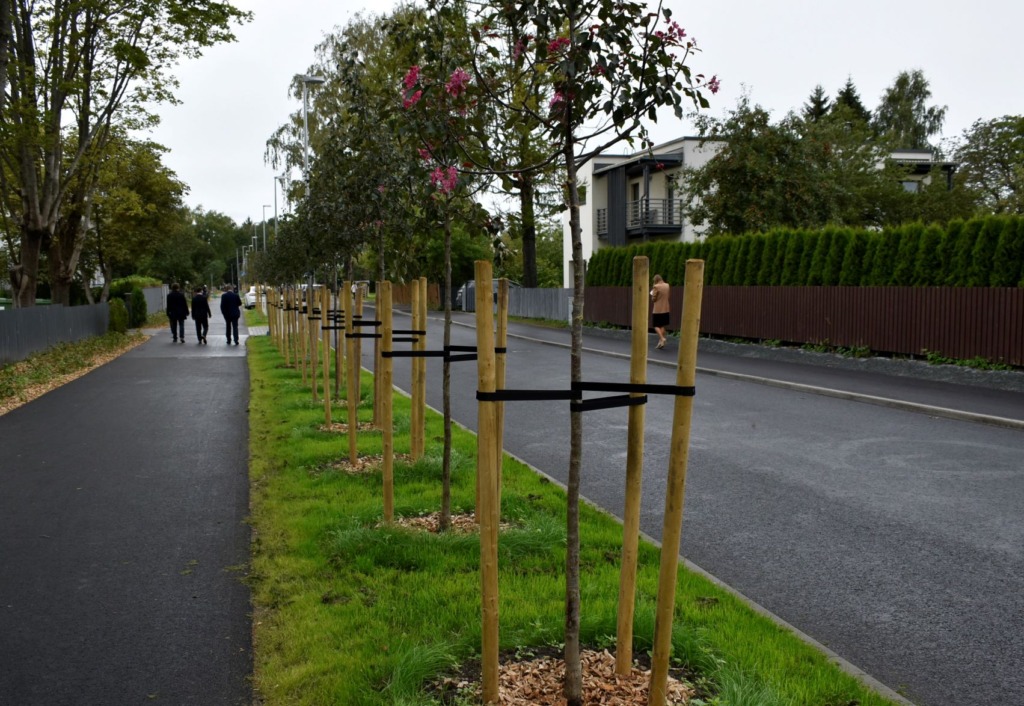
(852, 271)
(909, 237)
(834, 259)
(984, 251)
(816, 272)
(929, 263)
(794, 251)
(1008, 263)
(848, 97)
(817, 106)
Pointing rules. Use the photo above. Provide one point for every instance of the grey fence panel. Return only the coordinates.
(554, 304)
(156, 298)
(27, 331)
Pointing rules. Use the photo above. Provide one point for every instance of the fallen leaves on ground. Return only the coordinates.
(365, 464)
(341, 428)
(539, 682)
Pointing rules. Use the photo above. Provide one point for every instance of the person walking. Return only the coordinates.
(177, 312)
(201, 314)
(659, 297)
(231, 308)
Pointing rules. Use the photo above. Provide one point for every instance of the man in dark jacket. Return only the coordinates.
(201, 314)
(177, 312)
(231, 308)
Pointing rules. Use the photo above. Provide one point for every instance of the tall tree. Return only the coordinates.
(847, 97)
(102, 64)
(817, 105)
(904, 116)
(990, 161)
(788, 173)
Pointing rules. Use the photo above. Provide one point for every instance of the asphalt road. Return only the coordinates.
(123, 541)
(894, 537)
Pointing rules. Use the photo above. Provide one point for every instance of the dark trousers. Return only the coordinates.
(202, 327)
(177, 328)
(232, 328)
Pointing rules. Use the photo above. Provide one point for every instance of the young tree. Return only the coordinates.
(587, 73)
(904, 116)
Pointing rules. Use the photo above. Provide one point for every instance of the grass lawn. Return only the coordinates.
(349, 612)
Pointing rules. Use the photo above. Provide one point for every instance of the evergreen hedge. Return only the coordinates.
(981, 252)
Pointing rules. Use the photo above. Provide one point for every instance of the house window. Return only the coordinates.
(911, 186)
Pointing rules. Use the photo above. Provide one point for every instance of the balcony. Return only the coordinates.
(654, 217)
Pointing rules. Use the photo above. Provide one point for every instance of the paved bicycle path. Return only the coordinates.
(123, 541)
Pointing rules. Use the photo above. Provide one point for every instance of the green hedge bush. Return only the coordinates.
(981, 252)
(118, 316)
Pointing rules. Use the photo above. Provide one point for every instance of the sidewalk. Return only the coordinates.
(123, 535)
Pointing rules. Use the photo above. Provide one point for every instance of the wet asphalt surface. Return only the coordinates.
(123, 541)
(892, 536)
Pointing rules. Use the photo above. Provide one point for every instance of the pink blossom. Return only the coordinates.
(556, 45)
(424, 153)
(444, 179)
(457, 83)
(714, 84)
(412, 100)
(559, 97)
(412, 76)
(381, 188)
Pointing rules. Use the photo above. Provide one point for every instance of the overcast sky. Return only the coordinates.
(235, 96)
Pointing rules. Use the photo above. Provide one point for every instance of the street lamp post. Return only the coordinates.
(307, 81)
(265, 207)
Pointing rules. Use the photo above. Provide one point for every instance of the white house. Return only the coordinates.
(634, 198)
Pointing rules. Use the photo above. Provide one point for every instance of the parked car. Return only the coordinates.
(250, 298)
(460, 302)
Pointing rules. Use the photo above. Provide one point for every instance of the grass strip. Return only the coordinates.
(349, 612)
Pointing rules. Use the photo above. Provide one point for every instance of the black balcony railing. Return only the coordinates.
(654, 212)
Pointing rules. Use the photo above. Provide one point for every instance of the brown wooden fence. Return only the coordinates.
(956, 322)
(402, 294)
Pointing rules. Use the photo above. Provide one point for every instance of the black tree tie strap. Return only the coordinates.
(645, 389)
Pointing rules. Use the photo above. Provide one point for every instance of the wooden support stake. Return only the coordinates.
(378, 393)
(303, 342)
(325, 335)
(339, 342)
(487, 510)
(501, 340)
(314, 338)
(634, 473)
(676, 491)
(286, 316)
(415, 442)
(353, 378)
(386, 368)
(420, 368)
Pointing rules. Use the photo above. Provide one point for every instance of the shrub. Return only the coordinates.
(1009, 257)
(138, 310)
(118, 316)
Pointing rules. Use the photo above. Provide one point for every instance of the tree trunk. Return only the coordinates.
(526, 195)
(446, 384)
(25, 276)
(64, 252)
(573, 668)
(5, 45)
